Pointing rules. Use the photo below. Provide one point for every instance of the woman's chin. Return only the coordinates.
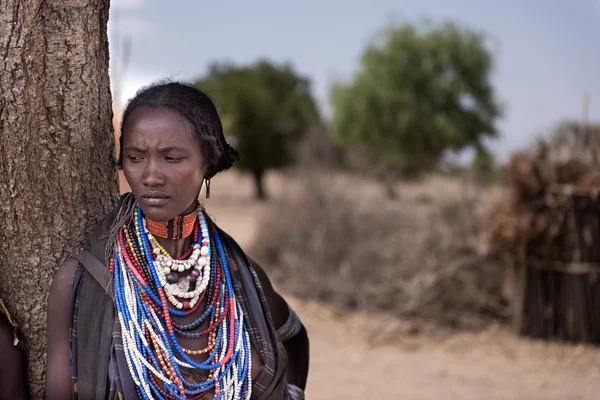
(157, 213)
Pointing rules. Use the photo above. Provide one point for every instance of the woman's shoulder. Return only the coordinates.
(65, 274)
(63, 279)
(105, 222)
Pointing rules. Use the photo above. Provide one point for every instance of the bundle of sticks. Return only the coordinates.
(547, 226)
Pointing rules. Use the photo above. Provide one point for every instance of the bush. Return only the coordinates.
(407, 256)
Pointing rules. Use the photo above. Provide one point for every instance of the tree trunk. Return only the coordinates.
(390, 190)
(56, 150)
(390, 180)
(259, 187)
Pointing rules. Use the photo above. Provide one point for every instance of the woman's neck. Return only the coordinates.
(176, 248)
(176, 236)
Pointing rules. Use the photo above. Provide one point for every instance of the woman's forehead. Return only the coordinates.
(158, 124)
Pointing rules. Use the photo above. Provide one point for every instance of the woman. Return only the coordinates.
(13, 363)
(162, 304)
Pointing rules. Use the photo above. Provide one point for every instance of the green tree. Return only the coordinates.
(419, 91)
(266, 108)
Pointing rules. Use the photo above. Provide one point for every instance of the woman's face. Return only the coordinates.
(162, 162)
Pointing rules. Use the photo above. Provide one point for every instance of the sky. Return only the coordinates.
(547, 51)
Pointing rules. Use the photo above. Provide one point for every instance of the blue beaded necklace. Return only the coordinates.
(153, 353)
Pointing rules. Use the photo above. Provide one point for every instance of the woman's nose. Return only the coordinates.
(153, 176)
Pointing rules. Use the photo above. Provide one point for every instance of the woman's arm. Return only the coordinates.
(58, 367)
(297, 347)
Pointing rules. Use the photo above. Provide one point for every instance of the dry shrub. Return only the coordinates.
(405, 256)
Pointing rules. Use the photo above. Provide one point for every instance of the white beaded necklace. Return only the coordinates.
(198, 262)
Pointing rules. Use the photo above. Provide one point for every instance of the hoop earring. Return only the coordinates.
(207, 188)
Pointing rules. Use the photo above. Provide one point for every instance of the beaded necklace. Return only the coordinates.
(179, 227)
(148, 291)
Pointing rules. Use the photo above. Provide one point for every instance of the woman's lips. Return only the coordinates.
(155, 199)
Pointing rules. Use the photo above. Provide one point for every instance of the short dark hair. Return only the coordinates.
(198, 108)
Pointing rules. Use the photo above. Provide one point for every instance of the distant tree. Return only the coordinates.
(483, 167)
(419, 91)
(266, 108)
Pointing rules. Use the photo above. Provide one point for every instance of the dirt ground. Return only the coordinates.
(366, 356)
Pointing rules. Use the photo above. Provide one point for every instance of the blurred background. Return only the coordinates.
(419, 179)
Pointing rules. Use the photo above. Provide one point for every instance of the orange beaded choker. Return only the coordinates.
(179, 227)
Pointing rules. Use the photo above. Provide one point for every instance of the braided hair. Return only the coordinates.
(198, 108)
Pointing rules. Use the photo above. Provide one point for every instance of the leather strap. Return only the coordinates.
(97, 269)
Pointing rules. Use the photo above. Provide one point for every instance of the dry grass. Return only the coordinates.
(336, 238)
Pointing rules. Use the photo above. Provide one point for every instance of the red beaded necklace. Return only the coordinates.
(176, 228)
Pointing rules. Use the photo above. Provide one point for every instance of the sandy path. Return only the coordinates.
(489, 365)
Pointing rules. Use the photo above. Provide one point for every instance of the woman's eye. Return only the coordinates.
(134, 158)
(173, 159)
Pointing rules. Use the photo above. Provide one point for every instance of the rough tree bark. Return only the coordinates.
(56, 150)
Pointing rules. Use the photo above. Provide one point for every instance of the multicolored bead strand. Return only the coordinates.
(148, 292)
